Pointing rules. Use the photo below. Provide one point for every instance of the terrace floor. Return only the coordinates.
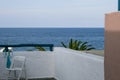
(44, 79)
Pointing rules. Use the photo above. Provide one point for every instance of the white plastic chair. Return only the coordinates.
(17, 67)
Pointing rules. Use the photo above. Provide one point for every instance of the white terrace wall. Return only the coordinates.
(62, 63)
(76, 65)
(38, 64)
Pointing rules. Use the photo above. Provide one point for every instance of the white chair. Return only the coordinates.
(17, 67)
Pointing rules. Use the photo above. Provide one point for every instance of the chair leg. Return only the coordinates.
(8, 75)
(15, 74)
(25, 75)
(19, 75)
(25, 72)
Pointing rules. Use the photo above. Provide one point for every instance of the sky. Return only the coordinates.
(55, 13)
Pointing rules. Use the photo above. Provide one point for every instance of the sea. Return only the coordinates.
(94, 36)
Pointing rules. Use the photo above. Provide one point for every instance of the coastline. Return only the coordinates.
(96, 52)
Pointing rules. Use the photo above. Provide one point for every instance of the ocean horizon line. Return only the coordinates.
(52, 35)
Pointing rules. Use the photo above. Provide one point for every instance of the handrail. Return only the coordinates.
(28, 45)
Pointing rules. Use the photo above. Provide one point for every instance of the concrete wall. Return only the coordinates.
(63, 64)
(38, 64)
(112, 46)
(76, 65)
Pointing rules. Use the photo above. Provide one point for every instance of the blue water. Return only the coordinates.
(95, 36)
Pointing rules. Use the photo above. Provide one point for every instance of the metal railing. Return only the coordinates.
(28, 45)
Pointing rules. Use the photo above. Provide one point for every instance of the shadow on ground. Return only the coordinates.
(41, 79)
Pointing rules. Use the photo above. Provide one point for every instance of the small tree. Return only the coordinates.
(78, 45)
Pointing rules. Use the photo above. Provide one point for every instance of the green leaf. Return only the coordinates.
(90, 48)
(63, 45)
(40, 48)
(71, 44)
(78, 45)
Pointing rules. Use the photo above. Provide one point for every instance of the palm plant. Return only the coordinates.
(78, 45)
(40, 48)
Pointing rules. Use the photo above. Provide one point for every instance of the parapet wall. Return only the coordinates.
(76, 65)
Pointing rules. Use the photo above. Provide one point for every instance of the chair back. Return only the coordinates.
(18, 62)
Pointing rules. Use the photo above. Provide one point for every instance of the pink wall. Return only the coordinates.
(112, 46)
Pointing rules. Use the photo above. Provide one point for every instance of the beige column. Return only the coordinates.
(112, 46)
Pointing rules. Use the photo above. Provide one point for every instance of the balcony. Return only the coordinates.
(60, 64)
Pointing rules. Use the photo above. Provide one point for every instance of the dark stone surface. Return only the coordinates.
(41, 79)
